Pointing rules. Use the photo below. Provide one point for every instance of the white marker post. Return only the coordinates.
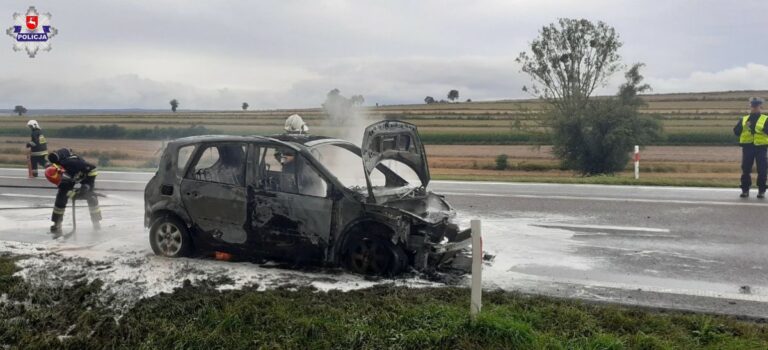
(637, 162)
(477, 269)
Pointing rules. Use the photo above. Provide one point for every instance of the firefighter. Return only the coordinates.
(66, 170)
(751, 130)
(38, 147)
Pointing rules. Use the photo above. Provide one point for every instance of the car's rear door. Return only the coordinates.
(214, 194)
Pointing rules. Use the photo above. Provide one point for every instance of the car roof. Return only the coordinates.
(215, 138)
(302, 139)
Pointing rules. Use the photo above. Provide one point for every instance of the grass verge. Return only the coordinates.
(594, 180)
(74, 317)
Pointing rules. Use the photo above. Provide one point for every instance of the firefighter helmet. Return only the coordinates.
(295, 125)
(53, 174)
(33, 124)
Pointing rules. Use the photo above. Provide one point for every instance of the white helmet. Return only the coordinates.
(295, 125)
(33, 124)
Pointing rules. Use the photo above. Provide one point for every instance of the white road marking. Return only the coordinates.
(98, 180)
(23, 195)
(546, 184)
(608, 227)
(605, 199)
(24, 170)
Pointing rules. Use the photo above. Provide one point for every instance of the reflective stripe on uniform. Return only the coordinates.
(746, 136)
(39, 153)
(95, 210)
(41, 140)
(57, 210)
(761, 139)
(93, 173)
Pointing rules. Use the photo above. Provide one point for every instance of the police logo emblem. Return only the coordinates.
(32, 32)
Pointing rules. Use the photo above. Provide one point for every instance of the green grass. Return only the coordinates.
(433, 134)
(383, 317)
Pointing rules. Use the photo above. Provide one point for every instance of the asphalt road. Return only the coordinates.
(668, 247)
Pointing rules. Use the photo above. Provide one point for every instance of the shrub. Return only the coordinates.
(103, 160)
(501, 162)
(151, 164)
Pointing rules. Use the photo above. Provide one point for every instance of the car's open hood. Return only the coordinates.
(393, 139)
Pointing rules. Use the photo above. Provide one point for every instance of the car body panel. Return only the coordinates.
(256, 219)
(394, 140)
(219, 209)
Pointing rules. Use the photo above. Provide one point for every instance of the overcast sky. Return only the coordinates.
(289, 53)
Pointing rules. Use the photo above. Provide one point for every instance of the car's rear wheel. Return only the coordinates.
(169, 237)
(374, 256)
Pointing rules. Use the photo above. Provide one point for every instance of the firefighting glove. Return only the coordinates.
(30, 144)
(72, 194)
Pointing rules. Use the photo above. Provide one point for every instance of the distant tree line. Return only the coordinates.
(452, 96)
(118, 132)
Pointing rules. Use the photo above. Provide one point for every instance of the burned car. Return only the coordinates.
(305, 199)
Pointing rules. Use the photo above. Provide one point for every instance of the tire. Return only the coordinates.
(374, 256)
(169, 237)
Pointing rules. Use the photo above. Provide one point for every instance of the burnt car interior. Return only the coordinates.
(281, 169)
(224, 163)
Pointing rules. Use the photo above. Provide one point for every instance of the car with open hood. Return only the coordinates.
(305, 199)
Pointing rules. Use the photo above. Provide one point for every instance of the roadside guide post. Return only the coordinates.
(637, 162)
(477, 269)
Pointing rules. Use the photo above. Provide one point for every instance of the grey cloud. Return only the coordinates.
(278, 53)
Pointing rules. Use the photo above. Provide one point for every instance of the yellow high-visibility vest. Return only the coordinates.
(759, 138)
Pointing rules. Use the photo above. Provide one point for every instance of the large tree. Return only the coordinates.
(19, 110)
(453, 95)
(600, 138)
(174, 105)
(245, 106)
(569, 60)
(340, 109)
(357, 100)
(429, 100)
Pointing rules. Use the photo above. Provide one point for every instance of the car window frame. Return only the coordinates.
(260, 162)
(200, 148)
(182, 171)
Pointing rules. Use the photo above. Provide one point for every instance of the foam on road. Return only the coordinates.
(668, 247)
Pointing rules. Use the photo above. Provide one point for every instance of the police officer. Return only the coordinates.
(72, 170)
(38, 147)
(751, 130)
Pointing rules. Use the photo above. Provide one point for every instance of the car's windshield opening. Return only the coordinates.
(347, 166)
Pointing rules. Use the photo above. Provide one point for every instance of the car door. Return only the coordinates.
(291, 210)
(213, 192)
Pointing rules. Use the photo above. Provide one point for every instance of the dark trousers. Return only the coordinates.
(61, 200)
(751, 154)
(34, 161)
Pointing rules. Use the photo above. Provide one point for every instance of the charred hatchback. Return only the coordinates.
(305, 200)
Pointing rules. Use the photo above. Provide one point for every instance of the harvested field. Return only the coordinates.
(728, 154)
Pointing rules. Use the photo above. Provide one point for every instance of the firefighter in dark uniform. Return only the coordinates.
(751, 130)
(38, 147)
(72, 170)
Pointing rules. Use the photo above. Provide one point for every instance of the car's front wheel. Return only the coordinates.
(374, 256)
(169, 237)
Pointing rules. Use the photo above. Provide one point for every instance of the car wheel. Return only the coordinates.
(374, 256)
(169, 237)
